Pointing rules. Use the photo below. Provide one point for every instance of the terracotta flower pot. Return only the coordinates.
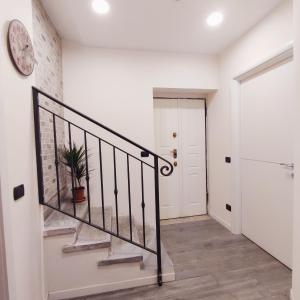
(79, 194)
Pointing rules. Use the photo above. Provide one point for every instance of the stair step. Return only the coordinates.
(120, 258)
(90, 238)
(122, 251)
(150, 261)
(58, 223)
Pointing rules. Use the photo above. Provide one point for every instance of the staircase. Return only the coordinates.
(112, 240)
(81, 260)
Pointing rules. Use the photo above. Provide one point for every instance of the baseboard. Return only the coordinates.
(108, 287)
(220, 220)
(291, 295)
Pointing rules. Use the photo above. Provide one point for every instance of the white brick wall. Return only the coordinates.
(48, 78)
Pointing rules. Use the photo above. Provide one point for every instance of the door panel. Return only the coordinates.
(267, 207)
(192, 149)
(267, 116)
(183, 193)
(166, 122)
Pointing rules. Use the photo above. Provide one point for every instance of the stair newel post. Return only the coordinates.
(157, 216)
(38, 145)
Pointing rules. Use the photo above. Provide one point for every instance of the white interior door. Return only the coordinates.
(267, 116)
(180, 126)
(166, 123)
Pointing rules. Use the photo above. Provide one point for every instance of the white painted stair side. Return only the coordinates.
(79, 273)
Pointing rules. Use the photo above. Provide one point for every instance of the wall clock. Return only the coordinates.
(20, 47)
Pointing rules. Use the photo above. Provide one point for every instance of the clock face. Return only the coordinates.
(20, 47)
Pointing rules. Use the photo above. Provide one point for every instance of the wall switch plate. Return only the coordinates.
(228, 207)
(19, 192)
(228, 159)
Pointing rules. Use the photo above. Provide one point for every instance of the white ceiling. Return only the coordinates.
(165, 25)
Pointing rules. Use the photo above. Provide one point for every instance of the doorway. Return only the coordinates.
(180, 137)
(266, 159)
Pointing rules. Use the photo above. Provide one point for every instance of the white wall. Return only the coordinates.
(296, 270)
(107, 83)
(115, 87)
(271, 34)
(22, 219)
(3, 272)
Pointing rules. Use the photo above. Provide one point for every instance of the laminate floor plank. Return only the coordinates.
(213, 264)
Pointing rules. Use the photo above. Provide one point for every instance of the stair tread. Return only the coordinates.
(122, 251)
(121, 258)
(88, 237)
(58, 223)
(122, 247)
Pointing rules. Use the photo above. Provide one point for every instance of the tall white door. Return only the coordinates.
(180, 138)
(267, 124)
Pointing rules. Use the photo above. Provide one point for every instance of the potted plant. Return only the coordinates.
(74, 158)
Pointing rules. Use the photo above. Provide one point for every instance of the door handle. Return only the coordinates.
(291, 166)
(174, 151)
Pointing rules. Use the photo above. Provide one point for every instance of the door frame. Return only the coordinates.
(205, 129)
(281, 56)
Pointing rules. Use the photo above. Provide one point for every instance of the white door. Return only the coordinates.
(267, 116)
(180, 131)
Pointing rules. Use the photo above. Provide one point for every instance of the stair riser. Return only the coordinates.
(77, 248)
(109, 262)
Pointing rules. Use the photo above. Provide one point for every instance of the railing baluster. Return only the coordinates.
(143, 204)
(87, 177)
(116, 190)
(157, 216)
(56, 161)
(101, 182)
(165, 170)
(129, 197)
(95, 136)
(72, 169)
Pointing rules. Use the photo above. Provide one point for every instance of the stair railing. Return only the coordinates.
(160, 166)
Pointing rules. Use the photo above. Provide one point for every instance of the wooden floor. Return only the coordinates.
(213, 264)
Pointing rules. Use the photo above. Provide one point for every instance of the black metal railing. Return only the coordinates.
(158, 165)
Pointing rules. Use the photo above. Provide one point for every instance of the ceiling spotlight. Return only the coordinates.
(215, 19)
(100, 6)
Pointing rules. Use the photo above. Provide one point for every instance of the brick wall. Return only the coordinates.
(48, 78)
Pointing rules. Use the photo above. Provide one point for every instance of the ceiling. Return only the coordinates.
(161, 25)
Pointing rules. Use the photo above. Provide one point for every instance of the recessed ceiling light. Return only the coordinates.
(215, 19)
(100, 6)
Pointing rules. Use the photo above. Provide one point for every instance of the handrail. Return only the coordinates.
(166, 169)
(169, 169)
(94, 135)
